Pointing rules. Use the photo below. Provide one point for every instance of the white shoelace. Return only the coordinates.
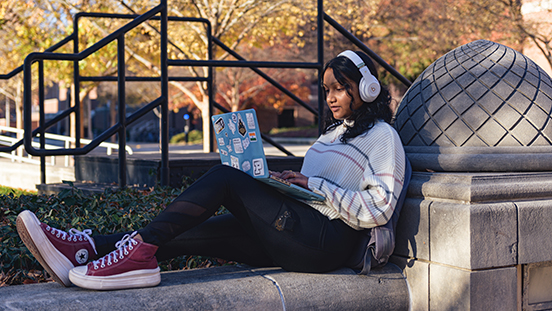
(125, 245)
(74, 235)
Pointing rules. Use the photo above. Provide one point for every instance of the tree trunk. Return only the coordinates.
(19, 113)
(206, 123)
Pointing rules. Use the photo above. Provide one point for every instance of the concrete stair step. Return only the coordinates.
(237, 287)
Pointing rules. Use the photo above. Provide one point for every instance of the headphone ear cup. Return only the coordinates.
(369, 88)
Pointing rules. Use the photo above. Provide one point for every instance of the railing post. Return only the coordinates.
(121, 67)
(320, 26)
(76, 81)
(41, 120)
(165, 93)
(210, 89)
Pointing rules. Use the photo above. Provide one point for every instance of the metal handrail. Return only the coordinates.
(119, 127)
(66, 140)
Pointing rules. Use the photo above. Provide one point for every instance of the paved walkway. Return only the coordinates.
(27, 176)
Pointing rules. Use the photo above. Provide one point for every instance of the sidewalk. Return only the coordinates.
(27, 176)
(227, 288)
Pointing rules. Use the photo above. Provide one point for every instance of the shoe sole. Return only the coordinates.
(131, 279)
(53, 261)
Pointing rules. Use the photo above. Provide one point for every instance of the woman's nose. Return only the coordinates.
(330, 97)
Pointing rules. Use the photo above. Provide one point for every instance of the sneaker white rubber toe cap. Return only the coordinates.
(131, 279)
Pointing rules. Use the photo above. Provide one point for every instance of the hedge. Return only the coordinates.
(112, 211)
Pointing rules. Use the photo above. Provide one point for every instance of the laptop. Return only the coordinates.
(240, 146)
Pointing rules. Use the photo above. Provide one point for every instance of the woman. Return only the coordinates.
(357, 165)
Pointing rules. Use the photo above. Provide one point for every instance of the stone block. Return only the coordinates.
(417, 276)
(343, 289)
(450, 234)
(473, 236)
(412, 238)
(458, 289)
(535, 231)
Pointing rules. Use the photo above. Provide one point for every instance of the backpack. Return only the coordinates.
(376, 244)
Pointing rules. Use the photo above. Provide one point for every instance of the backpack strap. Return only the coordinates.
(377, 244)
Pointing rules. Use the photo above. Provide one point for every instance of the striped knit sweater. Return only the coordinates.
(361, 180)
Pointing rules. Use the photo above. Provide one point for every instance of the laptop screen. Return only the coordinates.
(239, 142)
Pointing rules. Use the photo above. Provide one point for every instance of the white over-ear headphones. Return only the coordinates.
(368, 87)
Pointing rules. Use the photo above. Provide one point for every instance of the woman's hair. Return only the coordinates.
(368, 114)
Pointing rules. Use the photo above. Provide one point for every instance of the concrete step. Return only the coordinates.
(227, 288)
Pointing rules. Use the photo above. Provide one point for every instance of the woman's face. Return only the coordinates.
(337, 98)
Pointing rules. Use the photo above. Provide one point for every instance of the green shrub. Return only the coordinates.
(194, 137)
(110, 212)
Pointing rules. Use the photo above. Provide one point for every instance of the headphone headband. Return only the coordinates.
(359, 63)
(369, 87)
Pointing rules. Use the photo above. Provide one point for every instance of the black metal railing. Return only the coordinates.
(157, 13)
(119, 127)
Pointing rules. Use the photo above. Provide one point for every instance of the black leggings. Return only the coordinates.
(264, 228)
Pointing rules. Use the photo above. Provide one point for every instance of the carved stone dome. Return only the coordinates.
(480, 98)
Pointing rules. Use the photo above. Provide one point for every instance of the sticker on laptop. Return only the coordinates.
(221, 141)
(258, 167)
(237, 145)
(224, 152)
(219, 125)
(250, 120)
(245, 143)
(252, 137)
(229, 146)
(241, 127)
(234, 118)
(235, 162)
(246, 166)
(232, 127)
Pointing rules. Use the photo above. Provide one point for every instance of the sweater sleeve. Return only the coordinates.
(380, 188)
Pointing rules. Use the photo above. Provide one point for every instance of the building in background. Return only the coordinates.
(538, 11)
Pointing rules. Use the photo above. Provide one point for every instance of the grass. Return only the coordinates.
(15, 191)
(305, 131)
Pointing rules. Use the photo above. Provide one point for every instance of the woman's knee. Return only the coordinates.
(224, 169)
(225, 173)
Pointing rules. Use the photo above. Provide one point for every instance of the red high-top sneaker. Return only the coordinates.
(131, 265)
(56, 250)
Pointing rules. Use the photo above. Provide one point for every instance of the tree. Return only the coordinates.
(240, 88)
(411, 34)
(537, 30)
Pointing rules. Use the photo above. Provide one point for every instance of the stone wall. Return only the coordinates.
(477, 241)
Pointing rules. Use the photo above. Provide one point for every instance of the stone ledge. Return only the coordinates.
(481, 187)
(227, 288)
(480, 159)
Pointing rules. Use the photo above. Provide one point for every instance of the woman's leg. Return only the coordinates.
(220, 236)
(294, 235)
